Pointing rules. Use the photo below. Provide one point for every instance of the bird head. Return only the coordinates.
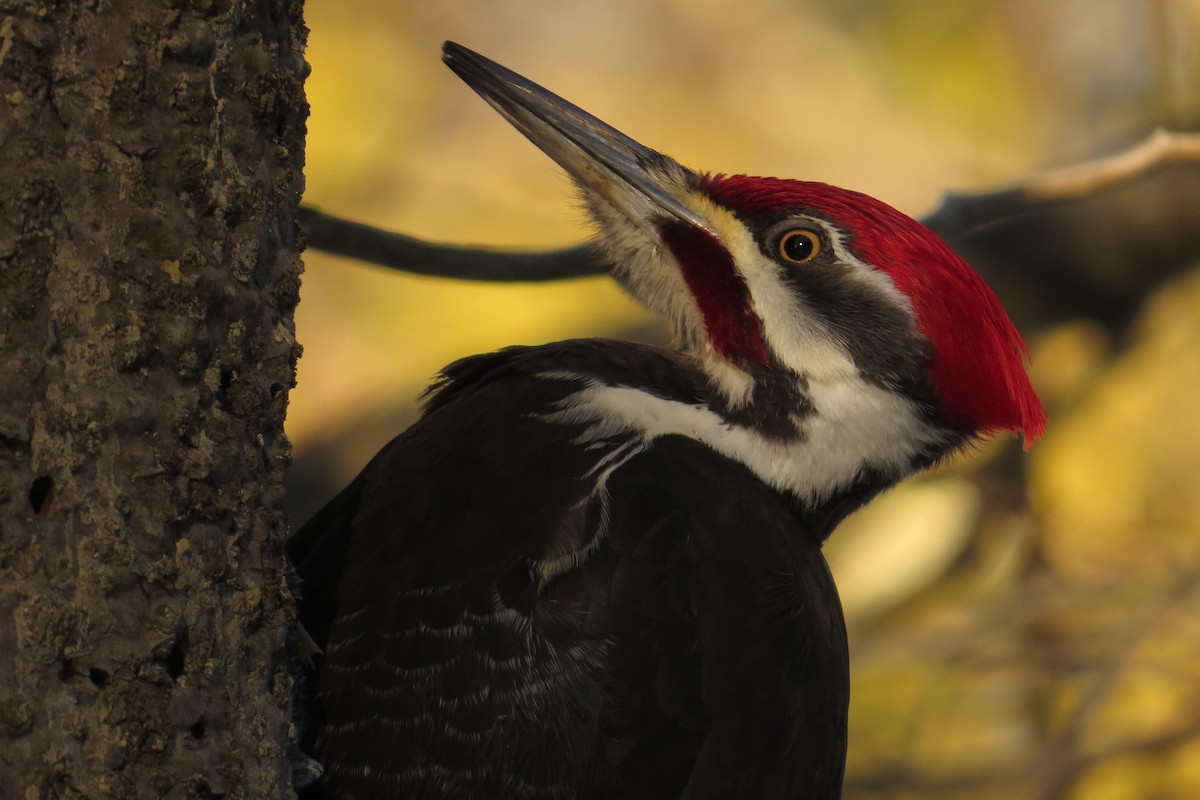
(767, 280)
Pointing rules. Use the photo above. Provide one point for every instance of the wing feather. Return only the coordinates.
(683, 644)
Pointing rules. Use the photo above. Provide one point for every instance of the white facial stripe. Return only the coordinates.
(856, 426)
(863, 271)
(734, 385)
(793, 330)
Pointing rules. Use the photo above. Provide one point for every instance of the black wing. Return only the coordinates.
(497, 624)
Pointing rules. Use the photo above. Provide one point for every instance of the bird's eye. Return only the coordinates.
(799, 245)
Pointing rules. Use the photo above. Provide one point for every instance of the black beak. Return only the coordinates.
(598, 157)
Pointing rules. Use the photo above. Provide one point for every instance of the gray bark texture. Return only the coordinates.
(150, 171)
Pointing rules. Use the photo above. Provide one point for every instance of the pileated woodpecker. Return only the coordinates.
(592, 569)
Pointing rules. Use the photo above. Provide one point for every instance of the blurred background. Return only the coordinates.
(1022, 625)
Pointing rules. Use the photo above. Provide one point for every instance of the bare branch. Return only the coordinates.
(957, 216)
(408, 254)
(960, 214)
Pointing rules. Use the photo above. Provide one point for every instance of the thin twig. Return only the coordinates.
(958, 215)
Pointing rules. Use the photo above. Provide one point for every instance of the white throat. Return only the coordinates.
(855, 427)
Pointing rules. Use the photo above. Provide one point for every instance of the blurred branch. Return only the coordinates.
(1065, 760)
(903, 779)
(958, 215)
(1163, 741)
(1050, 767)
(408, 254)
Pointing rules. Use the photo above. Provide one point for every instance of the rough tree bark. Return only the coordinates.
(150, 154)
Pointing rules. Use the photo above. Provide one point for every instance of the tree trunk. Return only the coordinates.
(150, 169)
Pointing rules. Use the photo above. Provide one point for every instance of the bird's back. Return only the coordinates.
(508, 608)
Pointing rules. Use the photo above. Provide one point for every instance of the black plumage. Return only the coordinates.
(674, 629)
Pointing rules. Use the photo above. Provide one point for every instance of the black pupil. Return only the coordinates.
(798, 246)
